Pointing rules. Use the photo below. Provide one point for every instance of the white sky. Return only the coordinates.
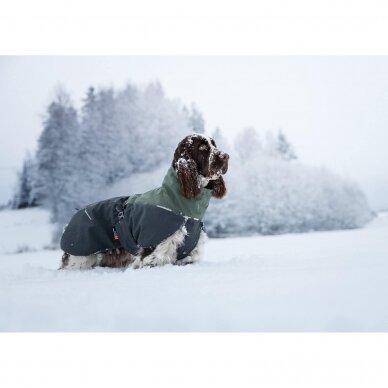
(333, 109)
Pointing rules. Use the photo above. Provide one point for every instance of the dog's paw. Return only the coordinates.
(150, 261)
(64, 261)
(138, 263)
(185, 261)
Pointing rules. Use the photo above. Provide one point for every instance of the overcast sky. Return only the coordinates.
(333, 109)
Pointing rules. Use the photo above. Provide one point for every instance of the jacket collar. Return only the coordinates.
(195, 207)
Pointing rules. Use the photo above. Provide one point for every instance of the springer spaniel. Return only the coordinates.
(198, 164)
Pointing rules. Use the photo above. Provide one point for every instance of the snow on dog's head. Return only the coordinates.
(199, 163)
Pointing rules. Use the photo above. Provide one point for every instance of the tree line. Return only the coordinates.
(116, 133)
(131, 132)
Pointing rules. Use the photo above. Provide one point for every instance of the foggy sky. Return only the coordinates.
(333, 109)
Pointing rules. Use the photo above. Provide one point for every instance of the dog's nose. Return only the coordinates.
(224, 156)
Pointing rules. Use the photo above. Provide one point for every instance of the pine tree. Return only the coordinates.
(248, 144)
(111, 139)
(284, 148)
(102, 120)
(156, 125)
(196, 120)
(25, 196)
(221, 141)
(56, 163)
(92, 150)
(126, 113)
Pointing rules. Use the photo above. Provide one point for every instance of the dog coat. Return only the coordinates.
(137, 221)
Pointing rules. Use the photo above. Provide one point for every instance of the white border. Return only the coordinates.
(193, 360)
(195, 27)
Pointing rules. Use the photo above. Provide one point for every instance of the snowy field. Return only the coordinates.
(324, 281)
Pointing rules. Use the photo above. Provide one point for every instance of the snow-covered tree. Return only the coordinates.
(196, 120)
(126, 113)
(284, 148)
(98, 150)
(56, 159)
(25, 195)
(90, 153)
(154, 125)
(112, 150)
(221, 141)
(247, 143)
(279, 146)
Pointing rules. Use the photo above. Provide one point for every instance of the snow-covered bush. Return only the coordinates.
(271, 195)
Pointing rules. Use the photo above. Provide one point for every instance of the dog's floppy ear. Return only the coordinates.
(188, 177)
(218, 187)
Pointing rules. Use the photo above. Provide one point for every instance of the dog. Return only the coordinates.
(161, 226)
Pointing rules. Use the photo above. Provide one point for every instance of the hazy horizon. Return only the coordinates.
(333, 109)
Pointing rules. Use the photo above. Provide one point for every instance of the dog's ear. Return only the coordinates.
(188, 177)
(219, 188)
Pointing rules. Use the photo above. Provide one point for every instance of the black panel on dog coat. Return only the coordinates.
(92, 229)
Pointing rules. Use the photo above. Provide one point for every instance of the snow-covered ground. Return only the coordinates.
(324, 281)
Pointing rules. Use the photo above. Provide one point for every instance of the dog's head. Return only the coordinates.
(199, 163)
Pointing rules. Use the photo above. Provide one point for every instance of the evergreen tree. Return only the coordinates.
(56, 163)
(157, 125)
(284, 148)
(92, 150)
(248, 144)
(221, 141)
(112, 144)
(126, 113)
(99, 153)
(196, 120)
(25, 196)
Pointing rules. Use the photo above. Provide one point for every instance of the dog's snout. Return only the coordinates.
(223, 156)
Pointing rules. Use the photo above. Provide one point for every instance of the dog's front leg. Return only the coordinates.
(164, 253)
(196, 254)
(138, 259)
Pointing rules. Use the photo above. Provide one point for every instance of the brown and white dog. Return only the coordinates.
(198, 164)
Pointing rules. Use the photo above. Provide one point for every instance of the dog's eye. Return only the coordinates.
(203, 147)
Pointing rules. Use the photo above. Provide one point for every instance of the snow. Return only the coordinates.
(322, 281)
(26, 229)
